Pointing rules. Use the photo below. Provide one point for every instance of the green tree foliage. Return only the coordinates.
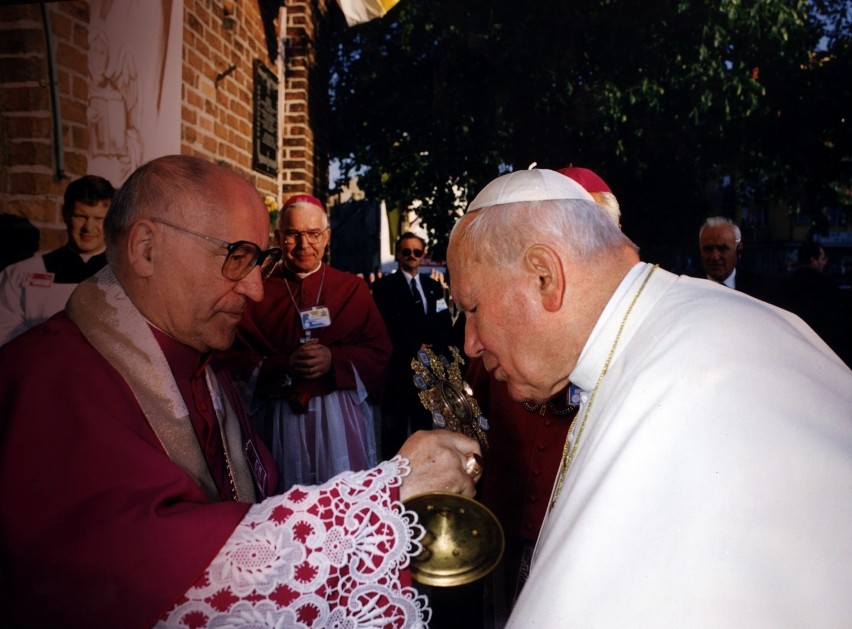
(664, 99)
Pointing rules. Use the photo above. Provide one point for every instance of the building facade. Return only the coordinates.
(102, 86)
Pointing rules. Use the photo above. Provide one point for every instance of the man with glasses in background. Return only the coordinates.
(135, 491)
(312, 356)
(415, 311)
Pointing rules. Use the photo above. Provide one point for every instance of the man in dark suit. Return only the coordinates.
(414, 308)
(720, 243)
(814, 296)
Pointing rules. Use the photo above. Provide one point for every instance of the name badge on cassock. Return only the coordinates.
(316, 317)
(257, 469)
(42, 280)
(312, 318)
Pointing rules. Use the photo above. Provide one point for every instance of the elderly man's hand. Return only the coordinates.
(311, 360)
(438, 459)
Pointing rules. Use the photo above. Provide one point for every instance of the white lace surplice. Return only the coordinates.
(314, 557)
(335, 434)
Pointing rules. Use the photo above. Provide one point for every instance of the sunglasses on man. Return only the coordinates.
(415, 252)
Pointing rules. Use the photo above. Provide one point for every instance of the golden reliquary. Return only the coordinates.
(464, 540)
(449, 398)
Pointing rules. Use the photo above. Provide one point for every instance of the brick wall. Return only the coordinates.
(216, 99)
(32, 178)
(304, 160)
(217, 80)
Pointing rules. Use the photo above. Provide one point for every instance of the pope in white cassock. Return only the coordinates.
(707, 479)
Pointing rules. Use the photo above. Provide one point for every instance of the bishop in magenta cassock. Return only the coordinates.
(313, 356)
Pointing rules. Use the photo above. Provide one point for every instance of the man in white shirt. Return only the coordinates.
(33, 290)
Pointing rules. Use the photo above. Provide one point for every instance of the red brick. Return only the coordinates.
(31, 153)
(79, 137)
(35, 126)
(29, 40)
(80, 36)
(76, 163)
(73, 111)
(52, 238)
(22, 69)
(22, 99)
(27, 182)
(77, 10)
(193, 23)
(71, 56)
(22, 13)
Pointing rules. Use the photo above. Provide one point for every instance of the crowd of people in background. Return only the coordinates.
(247, 390)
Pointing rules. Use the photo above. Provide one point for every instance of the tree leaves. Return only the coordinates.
(662, 99)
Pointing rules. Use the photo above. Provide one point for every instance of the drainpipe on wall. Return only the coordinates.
(58, 153)
(282, 84)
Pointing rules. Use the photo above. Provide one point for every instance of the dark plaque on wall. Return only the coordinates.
(265, 128)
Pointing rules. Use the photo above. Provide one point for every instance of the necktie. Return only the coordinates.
(416, 293)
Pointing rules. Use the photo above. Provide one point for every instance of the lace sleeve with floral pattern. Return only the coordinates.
(325, 556)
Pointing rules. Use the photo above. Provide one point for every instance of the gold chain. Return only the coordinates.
(220, 395)
(568, 455)
(541, 409)
(230, 473)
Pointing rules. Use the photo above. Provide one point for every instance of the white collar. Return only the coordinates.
(730, 281)
(85, 257)
(600, 341)
(306, 274)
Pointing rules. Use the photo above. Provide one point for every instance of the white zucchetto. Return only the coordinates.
(537, 184)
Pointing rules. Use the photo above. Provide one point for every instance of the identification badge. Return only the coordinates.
(441, 305)
(316, 317)
(43, 280)
(257, 469)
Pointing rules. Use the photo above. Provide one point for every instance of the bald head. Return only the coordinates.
(177, 220)
(172, 185)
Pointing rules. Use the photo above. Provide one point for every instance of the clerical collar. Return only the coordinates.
(285, 270)
(588, 363)
(85, 257)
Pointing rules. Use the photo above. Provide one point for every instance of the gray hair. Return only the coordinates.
(499, 234)
(610, 205)
(283, 214)
(718, 221)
